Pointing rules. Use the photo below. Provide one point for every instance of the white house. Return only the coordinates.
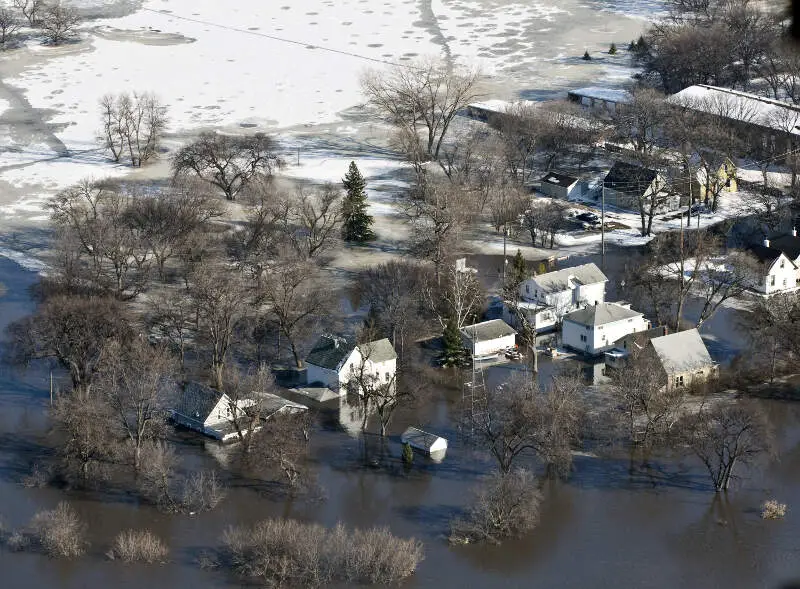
(595, 329)
(546, 298)
(427, 443)
(684, 358)
(488, 337)
(776, 273)
(210, 412)
(334, 362)
(559, 185)
(789, 244)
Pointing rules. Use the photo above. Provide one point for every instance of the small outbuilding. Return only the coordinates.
(488, 338)
(559, 186)
(427, 443)
(684, 358)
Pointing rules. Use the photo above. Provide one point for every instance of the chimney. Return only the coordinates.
(766, 242)
(794, 231)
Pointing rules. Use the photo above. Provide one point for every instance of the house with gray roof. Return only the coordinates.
(488, 338)
(627, 185)
(684, 358)
(595, 329)
(773, 271)
(546, 298)
(339, 363)
(212, 413)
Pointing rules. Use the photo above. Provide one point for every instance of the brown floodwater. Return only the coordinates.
(607, 526)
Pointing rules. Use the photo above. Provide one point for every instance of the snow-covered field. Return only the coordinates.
(284, 67)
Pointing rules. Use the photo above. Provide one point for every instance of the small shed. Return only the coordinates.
(427, 443)
(559, 185)
(488, 337)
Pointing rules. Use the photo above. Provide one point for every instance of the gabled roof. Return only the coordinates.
(378, 351)
(559, 280)
(329, 351)
(715, 159)
(765, 255)
(740, 106)
(601, 314)
(629, 178)
(196, 400)
(559, 179)
(640, 338)
(681, 352)
(788, 244)
(488, 330)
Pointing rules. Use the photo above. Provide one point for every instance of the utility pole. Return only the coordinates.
(51, 387)
(603, 227)
(505, 261)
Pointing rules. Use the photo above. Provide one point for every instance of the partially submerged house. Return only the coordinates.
(684, 358)
(560, 186)
(336, 362)
(596, 328)
(488, 338)
(211, 412)
(774, 271)
(631, 344)
(427, 443)
(546, 298)
(627, 185)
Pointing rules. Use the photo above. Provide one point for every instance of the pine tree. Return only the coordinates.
(453, 347)
(408, 454)
(613, 49)
(519, 271)
(632, 46)
(357, 224)
(586, 56)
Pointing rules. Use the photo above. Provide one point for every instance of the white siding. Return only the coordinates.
(328, 378)
(566, 300)
(782, 277)
(484, 348)
(599, 338)
(384, 372)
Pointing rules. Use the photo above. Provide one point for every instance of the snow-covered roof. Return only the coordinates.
(559, 280)
(488, 330)
(682, 352)
(501, 106)
(559, 179)
(422, 440)
(740, 106)
(601, 314)
(614, 95)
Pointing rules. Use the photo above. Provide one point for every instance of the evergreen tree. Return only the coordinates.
(632, 46)
(408, 454)
(519, 271)
(586, 56)
(453, 347)
(357, 224)
(613, 49)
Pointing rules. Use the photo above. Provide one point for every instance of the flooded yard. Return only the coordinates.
(609, 525)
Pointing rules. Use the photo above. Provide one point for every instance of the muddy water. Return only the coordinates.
(605, 527)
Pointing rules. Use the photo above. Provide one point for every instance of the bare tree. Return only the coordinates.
(172, 319)
(291, 289)
(229, 163)
(544, 219)
(282, 444)
(132, 124)
(219, 298)
(59, 23)
(311, 219)
(504, 506)
(724, 436)
(134, 380)
(649, 409)
(773, 326)
(458, 296)
(85, 426)
(76, 331)
(641, 120)
(726, 278)
(248, 406)
(30, 9)
(421, 99)
(9, 24)
(520, 417)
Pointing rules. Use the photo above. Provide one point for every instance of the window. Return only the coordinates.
(782, 262)
(527, 289)
(784, 283)
(679, 381)
(600, 328)
(583, 338)
(772, 281)
(388, 377)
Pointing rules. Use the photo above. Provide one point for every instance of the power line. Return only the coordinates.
(305, 45)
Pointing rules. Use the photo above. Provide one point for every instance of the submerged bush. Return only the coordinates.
(138, 546)
(773, 510)
(60, 532)
(292, 553)
(505, 506)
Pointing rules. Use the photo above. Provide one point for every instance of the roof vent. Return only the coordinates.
(766, 242)
(794, 231)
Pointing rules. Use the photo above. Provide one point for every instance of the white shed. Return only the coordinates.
(559, 185)
(430, 444)
(488, 337)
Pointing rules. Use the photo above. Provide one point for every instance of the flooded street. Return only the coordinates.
(608, 526)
